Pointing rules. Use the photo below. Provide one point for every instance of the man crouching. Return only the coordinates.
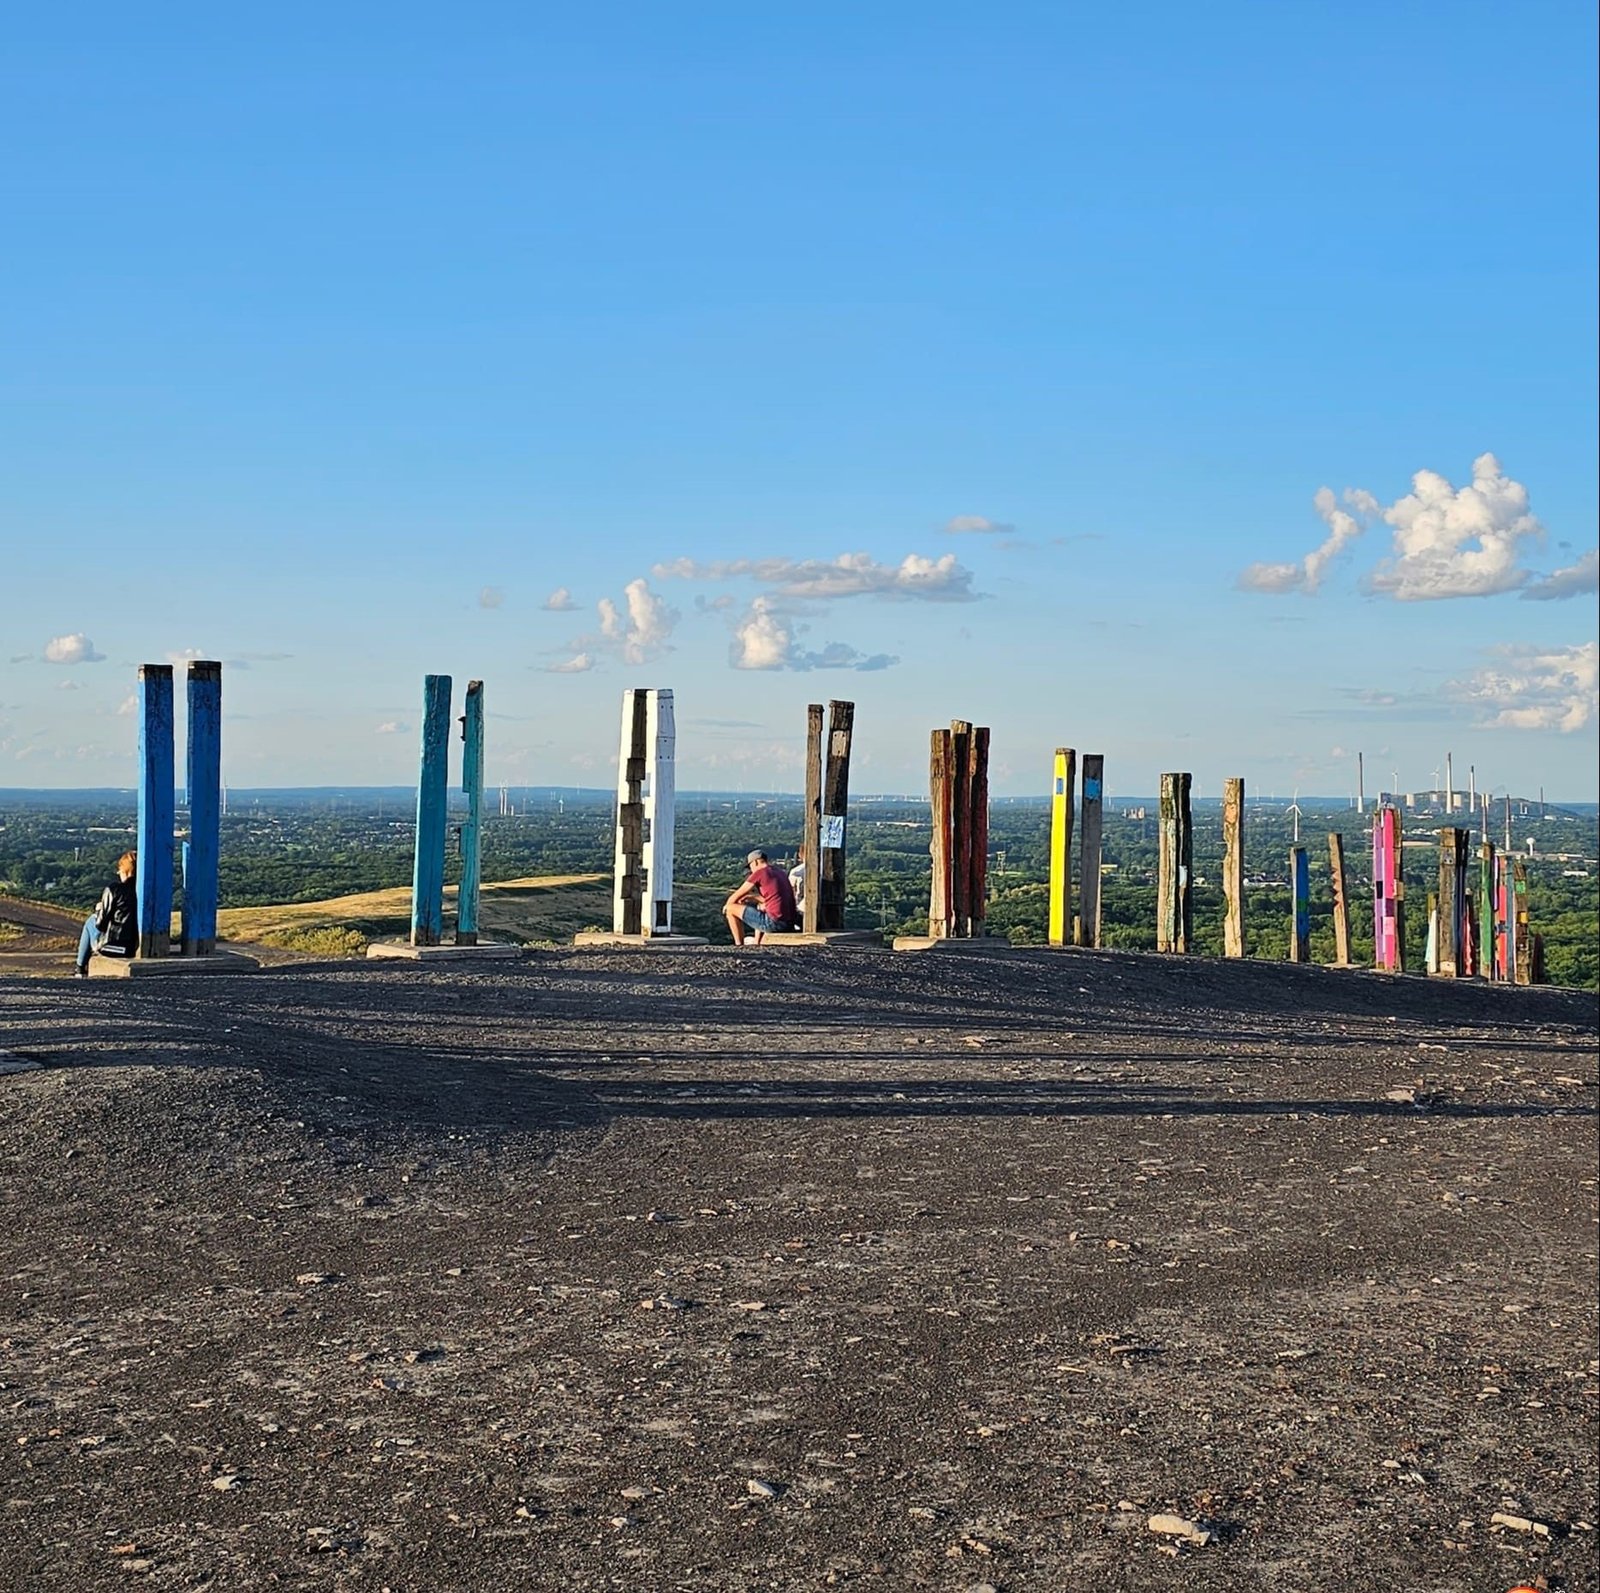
(765, 901)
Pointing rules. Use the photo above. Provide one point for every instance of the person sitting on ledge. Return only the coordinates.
(112, 929)
(763, 902)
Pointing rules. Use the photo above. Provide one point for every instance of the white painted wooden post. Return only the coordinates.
(660, 802)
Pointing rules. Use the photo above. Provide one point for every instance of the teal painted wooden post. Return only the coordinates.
(204, 781)
(1300, 899)
(155, 824)
(427, 873)
(472, 829)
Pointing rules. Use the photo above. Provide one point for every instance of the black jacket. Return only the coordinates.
(117, 919)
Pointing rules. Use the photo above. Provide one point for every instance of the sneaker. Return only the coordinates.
(80, 973)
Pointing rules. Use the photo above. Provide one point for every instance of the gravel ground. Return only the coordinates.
(798, 1269)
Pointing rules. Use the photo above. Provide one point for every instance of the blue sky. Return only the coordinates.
(965, 361)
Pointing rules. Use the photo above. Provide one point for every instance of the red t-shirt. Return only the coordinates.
(777, 899)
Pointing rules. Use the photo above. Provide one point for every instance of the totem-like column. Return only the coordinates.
(1488, 937)
(472, 826)
(1063, 781)
(1175, 867)
(202, 851)
(958, 777)
(1388, 892)
(1451, 953)
(1299, 905)
(427, 868)
(1233, 867)
(1086, 932)
(646, 815)
(156, 810)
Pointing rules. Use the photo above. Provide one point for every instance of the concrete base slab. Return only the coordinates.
(609, 940)
(824, 937)
(484, 951)
(930, 943)
(217, 962)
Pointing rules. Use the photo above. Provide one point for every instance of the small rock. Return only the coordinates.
(308, 1280)
(136, 1567)
(1180, 1527)
(760, 1488)
(227, 1483)
(637, 1491)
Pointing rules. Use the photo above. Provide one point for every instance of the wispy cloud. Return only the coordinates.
(392, 727)
(1305, 575)
(490, 597)
(1533, 688)
(578, 664)
(941, 580)
(559, 602)
(964, 525)
(1574, 581)
(767, 637)
(73, 649)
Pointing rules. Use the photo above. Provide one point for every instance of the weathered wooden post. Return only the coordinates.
(961, 828)
(1488, 939)
(1174, 873)
(203, 781)
(1341, 903)
(978, 833)
(660, 812)
(156, 810)
(811, 824)
(1452, 904)
(941, 791)
(830, 862)
(646, 815)
(472, 827)
(1522, 944)
(427, 866)
(1299, 905)
(1086, 932)
(1062, 791)
(1233, 867)
(1388, 892)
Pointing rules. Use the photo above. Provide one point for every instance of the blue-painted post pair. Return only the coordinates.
(204, 782)
(157, 811)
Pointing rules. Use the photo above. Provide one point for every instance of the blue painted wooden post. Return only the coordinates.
(1300, 899)
(427, 875)
(472, 829)
(201, 852)
(155, 828)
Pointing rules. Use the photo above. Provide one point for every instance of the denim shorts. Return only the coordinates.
(758, 920)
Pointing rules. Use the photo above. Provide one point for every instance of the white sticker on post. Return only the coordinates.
(832, 830)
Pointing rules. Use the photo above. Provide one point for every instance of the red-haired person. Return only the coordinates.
(112, 929)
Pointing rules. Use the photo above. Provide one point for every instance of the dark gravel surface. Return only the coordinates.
(797, 1269)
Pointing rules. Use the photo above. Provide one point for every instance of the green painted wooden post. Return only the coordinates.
(427, 873)
(201, 854)
(156, 815)
(1086, 931)
(472, 827)
(1486, 924)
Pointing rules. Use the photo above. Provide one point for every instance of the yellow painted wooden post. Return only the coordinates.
(1061, 794)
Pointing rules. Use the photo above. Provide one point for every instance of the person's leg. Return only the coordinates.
(87, 941)
(735, 917)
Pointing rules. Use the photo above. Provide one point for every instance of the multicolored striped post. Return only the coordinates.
(1300, 905)
(472, 825)
(1388, 892)
(156, 810)
(1488, 938)
(1522, 935)
(1063, 780)
(1450, 955)
(203, 780)
(427, 870)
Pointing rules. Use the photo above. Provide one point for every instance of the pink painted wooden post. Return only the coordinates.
(1388, 892)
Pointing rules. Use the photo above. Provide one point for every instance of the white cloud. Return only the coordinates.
(69, 685)
(766, 637)
(1306, 575)
(976, 525)
(73, 649)
(491, 597)
(560, 602)
(1573, 581)
(1458, 543)
(941, 580)
(1532, 688)
(187, 656)
(643, 633)
(578, 664)
(128, 706)
(392, 727)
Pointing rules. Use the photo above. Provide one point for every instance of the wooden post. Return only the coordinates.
(153, 836)
(978, 831)
(941, 789)
(1341, 903)
(835, 807)
(1086, 932)
(1523, 942)
(1388, 892)
(627, 889)
(1233, 868)
(1430, 953)
(201, 853)
(1063, 781)
(1299, 905)
(1174, 890)
(1452, 904)
(960, 828)
(811, 824)
(1505, 928)
(472, 826)
(659, 794)
(1488, 941)
(427, 866)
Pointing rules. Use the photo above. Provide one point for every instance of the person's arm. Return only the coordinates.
(102, 913)
(740, 894)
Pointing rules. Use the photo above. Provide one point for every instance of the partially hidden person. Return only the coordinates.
(112, 929)
(764, 902)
